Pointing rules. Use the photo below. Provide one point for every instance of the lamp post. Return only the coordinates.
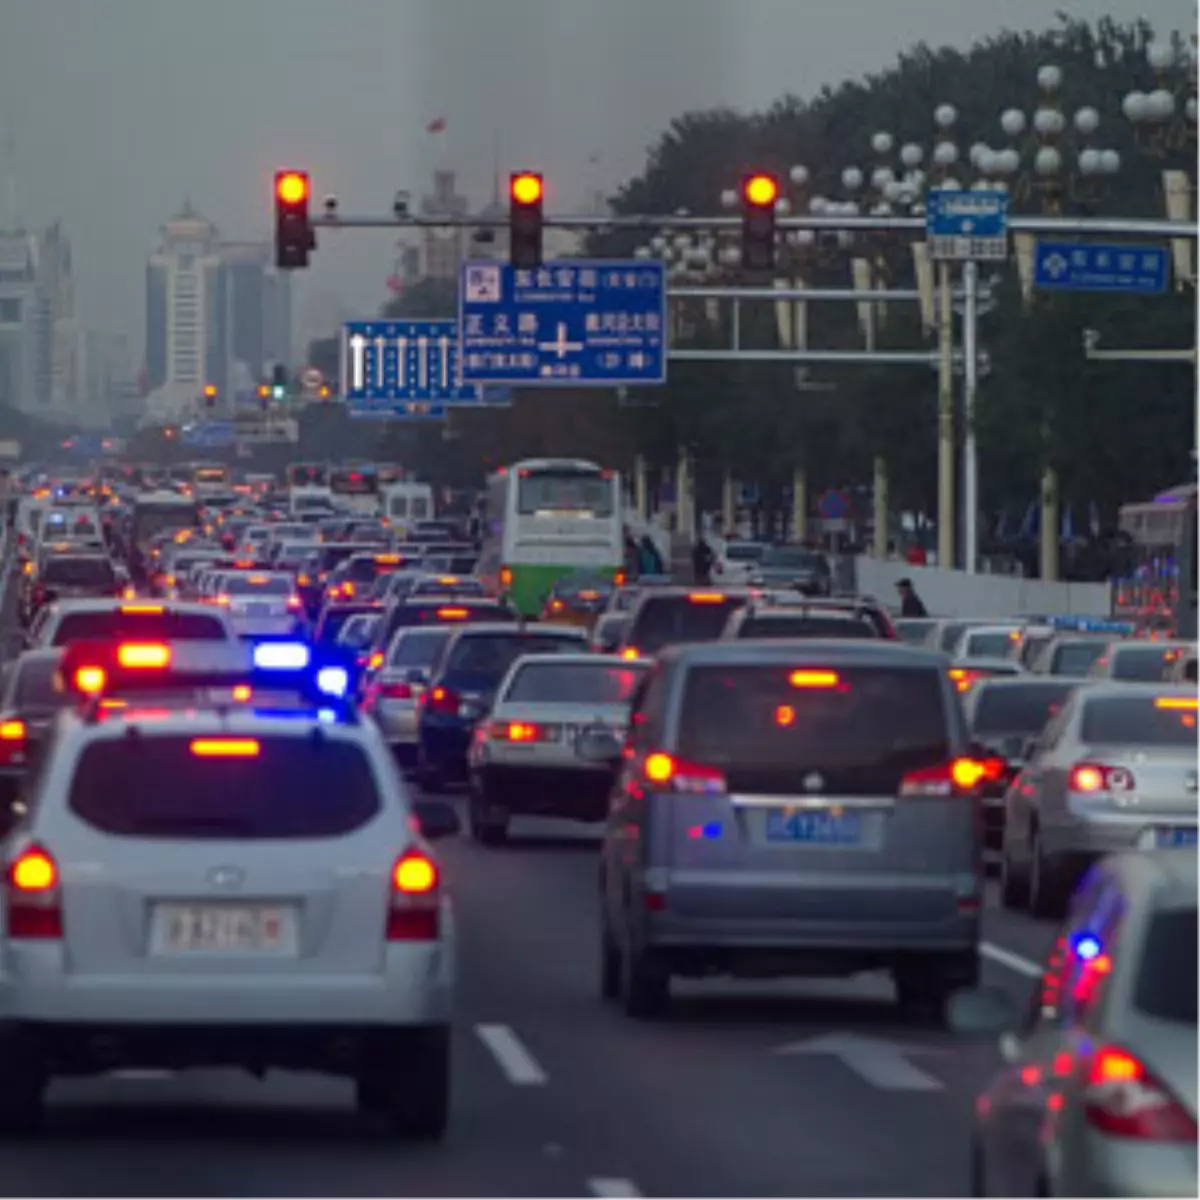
(1167, 125)
(1057, 162)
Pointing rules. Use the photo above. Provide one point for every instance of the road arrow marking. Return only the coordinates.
(358, 347)
(882, 1064)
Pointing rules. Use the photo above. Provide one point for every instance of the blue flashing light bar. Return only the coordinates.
(1081, 624)
(333, 681)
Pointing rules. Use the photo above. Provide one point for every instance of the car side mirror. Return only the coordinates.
(981, 1013)
(436, 819)
(599, 745)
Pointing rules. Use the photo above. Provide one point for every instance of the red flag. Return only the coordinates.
(437, 125)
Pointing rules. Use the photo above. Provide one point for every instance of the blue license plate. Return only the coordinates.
(814, 828)
(1176, 836)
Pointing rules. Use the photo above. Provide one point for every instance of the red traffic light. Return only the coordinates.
(210, 390)
(526, 188)
(760, 191)
(291, 187)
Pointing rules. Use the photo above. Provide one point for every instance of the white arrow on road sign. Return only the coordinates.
(560, 345)
(380, 347)
(882, 1064)
(444, 347)
(402, 363)
(358, 347)
(422, 363)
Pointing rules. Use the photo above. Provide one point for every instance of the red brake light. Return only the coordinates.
(517, 731)
(814, 679)
(452, 614)
(630, 653)
(34, 903)
(143, 655)
(12, 742)
(225, 747)
(959, 777)
(91, 681)
(12, 731)
(443, 701)
(395, 691)
(414, 910)
(1122, 1099)
(664, 771)
(705, 597)
(293, 603)
(1096, 777)
(1177, 702)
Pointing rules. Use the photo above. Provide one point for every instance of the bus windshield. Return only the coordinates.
(546, 493)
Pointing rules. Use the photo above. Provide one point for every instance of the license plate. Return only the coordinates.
(221, 928)
(259, 610)
(815, 828)
(1167, 836)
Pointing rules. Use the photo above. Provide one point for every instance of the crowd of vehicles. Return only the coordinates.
(791, 782)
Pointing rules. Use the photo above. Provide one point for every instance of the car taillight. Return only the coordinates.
(1097, 777)
(34, 900)
(12, 742)
(1122, 1099)
(415, 899)
(665, 772)
(395, 691)
(958, 777)
(293, 603)
(443, 701)
(518, 731)
(630, 653)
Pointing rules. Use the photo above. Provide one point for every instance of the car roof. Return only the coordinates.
(771, 611)
(1027, 680)
(164, 722)
(1109, 689)
(856, 652)
(542, 629)
(1170, 875)
(113, 604)
(583, 659)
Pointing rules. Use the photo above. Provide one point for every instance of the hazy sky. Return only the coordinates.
(120, 108)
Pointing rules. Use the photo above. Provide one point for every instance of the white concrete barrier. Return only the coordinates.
(956, 594)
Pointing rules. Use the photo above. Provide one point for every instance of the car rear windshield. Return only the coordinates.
(258, 585)
(860, 729)
(807, 625)
(744, 552)
(417, 648)
(159, 787)
(1167, 976)
(445, 586)
(34, 689)
(988, 645)
(670, 620)
(450, 612)
(79, 572)
(912, 633)
(574, 683)
(358, 631)
(332, 620)
(1023, 709)
(1076, 658)
(1139, 721)
(792, 558)
(489, 655)
(1142, 664)
(155, 627)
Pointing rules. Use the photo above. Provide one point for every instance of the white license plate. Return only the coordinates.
(185, 929)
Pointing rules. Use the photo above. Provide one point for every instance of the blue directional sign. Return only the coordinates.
(393, 410)
(967, 224)
(580, 321)
(208, 433)
(402, 362)
(1101, 267)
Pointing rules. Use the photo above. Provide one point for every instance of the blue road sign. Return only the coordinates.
(208, 433)
(402, 362)
(967, 225)
(392, 410)
(570, 322)
(1101, 267)
(833, 506)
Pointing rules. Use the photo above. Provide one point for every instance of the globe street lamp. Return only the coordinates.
(1164, 115)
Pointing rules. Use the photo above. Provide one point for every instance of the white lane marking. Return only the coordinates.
(515, 1061)
(600, 1185)
(1006, 958)
(140, 1073)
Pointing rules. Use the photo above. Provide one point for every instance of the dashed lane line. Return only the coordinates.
(601, 1185)
(1006, 958)
(519, 1066)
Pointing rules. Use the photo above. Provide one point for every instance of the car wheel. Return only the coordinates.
(1014, 883)
(610, 965)
(412, 1098)
(1047, 887)
(645, 984)
(489, 822)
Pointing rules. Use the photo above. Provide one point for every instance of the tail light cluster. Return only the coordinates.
(442, 701)
(415, 904)
(33, 896)
(665, 772)
(13, 743)
(1123, 1099)
(958, 777)
(523, 732)
(1097, 777)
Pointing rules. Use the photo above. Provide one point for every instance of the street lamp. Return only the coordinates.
(1164, 116)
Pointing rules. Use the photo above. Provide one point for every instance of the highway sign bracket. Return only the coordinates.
(571, 322)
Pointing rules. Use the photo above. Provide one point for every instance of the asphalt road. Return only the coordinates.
(750, 1089)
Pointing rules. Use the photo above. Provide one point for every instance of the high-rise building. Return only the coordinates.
(442, 249)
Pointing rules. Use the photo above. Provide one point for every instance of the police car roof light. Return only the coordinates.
(282, 656)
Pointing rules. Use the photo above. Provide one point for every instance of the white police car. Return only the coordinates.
(221, 866)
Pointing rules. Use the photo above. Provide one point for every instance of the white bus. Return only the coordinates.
(547, 518)
(404, 504)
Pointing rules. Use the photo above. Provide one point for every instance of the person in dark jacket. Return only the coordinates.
(702, 561)
(910, 602)
(649, 560)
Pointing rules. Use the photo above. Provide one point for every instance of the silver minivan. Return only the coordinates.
(792, 808)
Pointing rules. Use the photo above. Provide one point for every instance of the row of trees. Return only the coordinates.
(1114, 431)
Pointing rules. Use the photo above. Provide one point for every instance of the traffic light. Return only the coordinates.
(294, 236)
(279, 382)
(210, 394)
(759, 194)
(525, 220)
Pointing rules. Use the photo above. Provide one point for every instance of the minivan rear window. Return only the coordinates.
(574, 683)
(489, 655)
(860, 728)
(92, 571)
(159, 627)
(294, 788)
(1167, 975)
(663, 621)
(807, 625)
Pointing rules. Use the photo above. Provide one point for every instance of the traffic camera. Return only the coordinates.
(525, 192)
(294, 234)
(759, 195)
